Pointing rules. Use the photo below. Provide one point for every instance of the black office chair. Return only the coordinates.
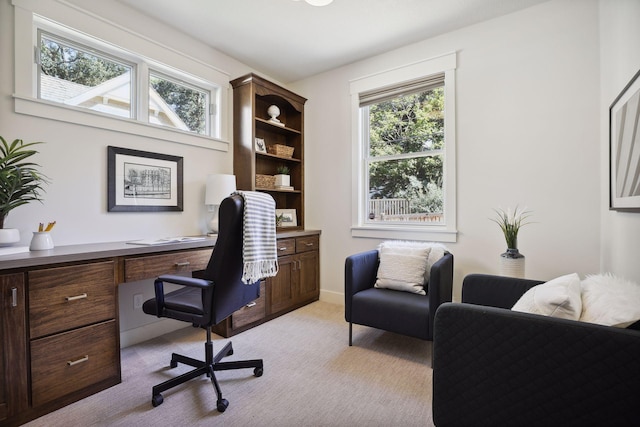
(207, 301)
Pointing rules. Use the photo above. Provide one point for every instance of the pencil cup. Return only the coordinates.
(41, 241)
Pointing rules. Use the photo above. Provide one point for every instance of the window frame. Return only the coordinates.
(86, 30)
(209, 121)
(361, 226)
(78, 45)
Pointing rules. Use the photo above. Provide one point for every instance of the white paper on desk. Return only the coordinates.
(9, 250)
(166, 240)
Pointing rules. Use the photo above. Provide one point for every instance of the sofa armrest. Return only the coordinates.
(494, 291)
(360, 271)
(493, 366)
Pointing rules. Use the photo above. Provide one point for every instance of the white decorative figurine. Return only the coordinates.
(274, 112)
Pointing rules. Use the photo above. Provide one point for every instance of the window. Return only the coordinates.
(70, 74)
(405, 153)
(74, 66)
(178, 105)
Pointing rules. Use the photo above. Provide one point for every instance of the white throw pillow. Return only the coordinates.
(405, 266)
(610, 300)
(559, 297)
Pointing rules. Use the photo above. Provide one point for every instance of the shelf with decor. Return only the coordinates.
(268, 125)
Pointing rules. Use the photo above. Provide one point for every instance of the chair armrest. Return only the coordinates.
(493, 366)
(185, 281)
(360, 271)
(158, 286)
(494, 291)
(440, 286)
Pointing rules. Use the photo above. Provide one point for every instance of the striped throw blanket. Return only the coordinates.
(259, 249)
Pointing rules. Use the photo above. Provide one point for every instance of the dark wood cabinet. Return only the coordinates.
(296, 284)
(59, 332)
(14, 397)
(283, 141)
(261, 146)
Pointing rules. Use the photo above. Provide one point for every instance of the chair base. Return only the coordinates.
(208, 368)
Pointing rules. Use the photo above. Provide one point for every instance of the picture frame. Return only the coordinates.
(289, 217)
(142, 181)
(261, 147)
(624, 148)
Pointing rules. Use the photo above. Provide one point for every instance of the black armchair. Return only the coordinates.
(207, 301)
(394, 311)
(493, 366)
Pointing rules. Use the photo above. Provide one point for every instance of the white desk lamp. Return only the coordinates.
(218, 188)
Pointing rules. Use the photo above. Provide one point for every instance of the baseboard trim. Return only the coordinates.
(332, 297)
(149, 331)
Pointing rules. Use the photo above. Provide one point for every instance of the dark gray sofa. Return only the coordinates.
(394, 311)
(495, 367)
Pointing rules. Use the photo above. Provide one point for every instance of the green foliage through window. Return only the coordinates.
(405, 162)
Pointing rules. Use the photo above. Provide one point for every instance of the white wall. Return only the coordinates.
(527, 133)
(74, 157)
(619, 61)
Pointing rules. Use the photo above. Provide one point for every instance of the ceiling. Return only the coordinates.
(291, 40)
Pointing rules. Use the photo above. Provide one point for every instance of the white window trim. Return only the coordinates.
(109, 33)
(444, 233)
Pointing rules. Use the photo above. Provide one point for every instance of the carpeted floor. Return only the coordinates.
(311, 378)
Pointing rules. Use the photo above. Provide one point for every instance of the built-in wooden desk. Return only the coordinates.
(59, 329)
(59, 333)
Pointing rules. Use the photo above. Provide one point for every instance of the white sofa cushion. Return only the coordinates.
(559, 297)
(610, 300)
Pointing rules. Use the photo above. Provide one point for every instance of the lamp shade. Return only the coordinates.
(219, 187)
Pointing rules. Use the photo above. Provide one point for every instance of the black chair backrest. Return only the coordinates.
(230, 293)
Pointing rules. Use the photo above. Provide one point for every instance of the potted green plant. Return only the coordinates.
(510, 222)
(283, 179)
(20, 182)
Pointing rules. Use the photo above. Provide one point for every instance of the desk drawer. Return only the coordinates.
(64, 298)
(286, 246)
(175, 263)
(252, 312)
(70, 361)
(308, 243)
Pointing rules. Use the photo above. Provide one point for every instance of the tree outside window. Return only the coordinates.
(405, 149)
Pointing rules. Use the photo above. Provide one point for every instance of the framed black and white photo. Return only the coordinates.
(287, 217)
(140, 181)
(260, 145)
(624, 148)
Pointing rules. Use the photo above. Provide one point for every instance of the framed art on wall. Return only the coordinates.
(624, 148)
(287, 217)
(141, 181)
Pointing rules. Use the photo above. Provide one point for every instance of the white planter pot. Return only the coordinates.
(9, 236)
(283, 180)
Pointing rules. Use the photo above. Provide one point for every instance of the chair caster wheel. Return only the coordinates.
(258, 372)
(157, 400)
(222, 404)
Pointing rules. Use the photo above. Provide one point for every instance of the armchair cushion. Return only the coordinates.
(405, 266)
(559, 297)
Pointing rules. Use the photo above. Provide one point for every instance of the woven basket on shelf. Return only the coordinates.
(280, 150)
(265, 181)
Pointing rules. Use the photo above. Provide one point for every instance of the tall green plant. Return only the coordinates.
(510, 224)
(20, 180)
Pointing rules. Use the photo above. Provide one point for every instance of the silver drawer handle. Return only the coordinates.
(75, 362)
(77, 297)
(14, 297)
(309, 244)
(251, 304)
(183, 264)
(284, 248)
